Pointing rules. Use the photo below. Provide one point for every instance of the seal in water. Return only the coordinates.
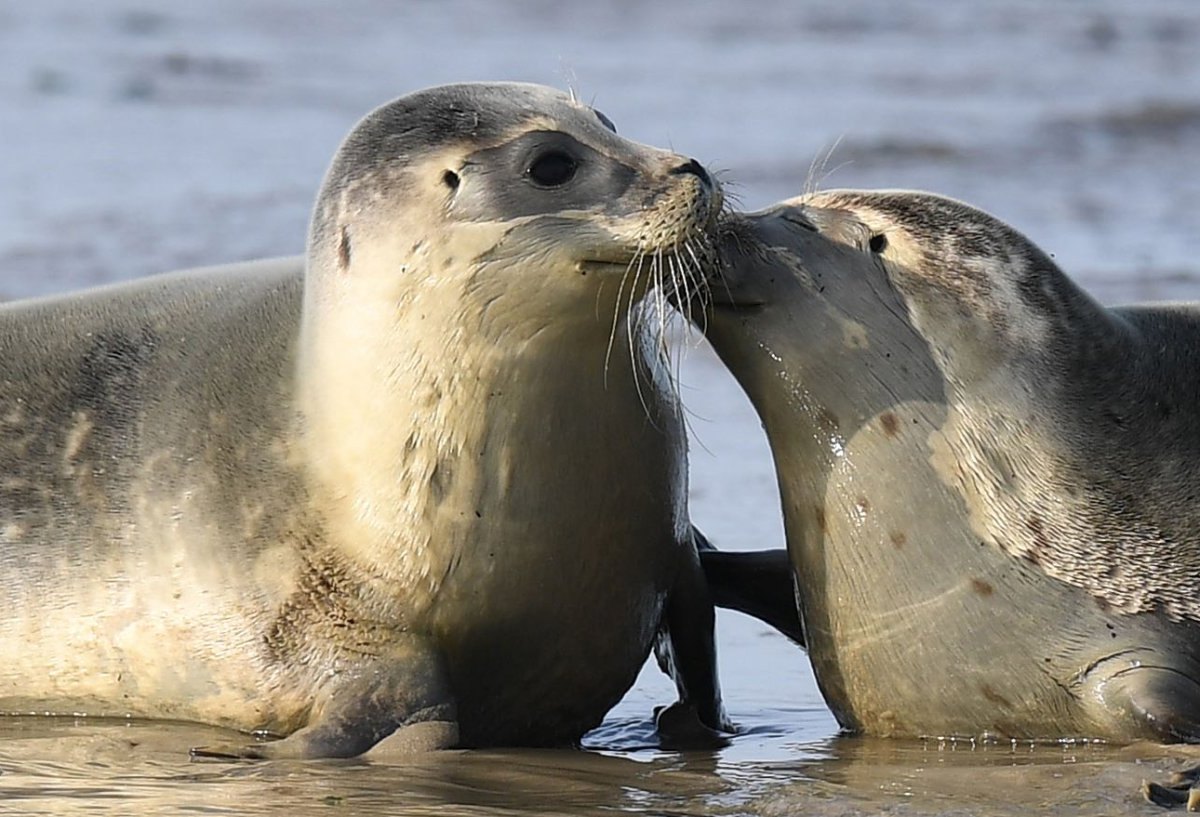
(988, 479)
(406, 482)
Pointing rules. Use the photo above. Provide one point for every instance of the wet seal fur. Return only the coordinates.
(408, 486)
(988, 479)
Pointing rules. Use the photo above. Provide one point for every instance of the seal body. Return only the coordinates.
(987, 477)
(404, 481)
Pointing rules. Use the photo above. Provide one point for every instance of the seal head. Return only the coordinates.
(405, 491)
(983, 519)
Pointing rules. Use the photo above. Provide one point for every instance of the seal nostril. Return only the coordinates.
(696, 169)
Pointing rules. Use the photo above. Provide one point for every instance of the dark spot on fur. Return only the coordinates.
(439, 480)
(109, 377)
(344, 250)
(1035, 525)
(994, 697)
(819, 513)
(899, 539)
(890, 423)
(982, 588)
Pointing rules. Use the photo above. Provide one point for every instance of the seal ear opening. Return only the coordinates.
(450, 179)
(344, 249)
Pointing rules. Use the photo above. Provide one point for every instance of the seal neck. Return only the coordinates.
(434, 423)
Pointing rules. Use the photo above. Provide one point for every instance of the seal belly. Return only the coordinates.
(125, 528)
(542, 568)
(395, 483)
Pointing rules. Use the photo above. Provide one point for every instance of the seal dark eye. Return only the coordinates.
(450, 179)
(552, 169)
(878, 242)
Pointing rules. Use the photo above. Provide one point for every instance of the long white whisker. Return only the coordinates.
(703, 292)
(612, 332)
(633, 329)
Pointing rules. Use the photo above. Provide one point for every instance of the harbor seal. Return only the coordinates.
(401, 483)
(988, 479)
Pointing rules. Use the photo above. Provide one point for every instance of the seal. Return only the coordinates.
(987, 478)
(403, 482)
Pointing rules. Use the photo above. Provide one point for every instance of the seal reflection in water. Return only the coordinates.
(988, 479)
(403, 483)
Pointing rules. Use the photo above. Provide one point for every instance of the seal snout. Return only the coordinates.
(694, 168)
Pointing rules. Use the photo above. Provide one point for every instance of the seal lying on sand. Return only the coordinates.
(410, 484)
(988, 479)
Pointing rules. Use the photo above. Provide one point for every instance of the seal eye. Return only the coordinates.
(450, 179)
(878, 242)
(552, 169)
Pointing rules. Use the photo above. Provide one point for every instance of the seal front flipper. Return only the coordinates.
(757, 583)
(403, 705)
(1166, 705)
(685, 650)
(1162, 701)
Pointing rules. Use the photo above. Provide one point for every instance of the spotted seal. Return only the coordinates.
(988, 478)
(403, 482)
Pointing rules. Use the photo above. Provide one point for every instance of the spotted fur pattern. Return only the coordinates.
(1072, 432)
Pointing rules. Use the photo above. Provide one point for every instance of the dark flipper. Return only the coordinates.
(1153, 690)
(1165, 702)
(1177, 793)
(757, 583)
(686, 651)
(405, 695)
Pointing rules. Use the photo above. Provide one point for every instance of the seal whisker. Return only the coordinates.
(283, 468)
(635, 261)
(992, 446)
(633, 326)
(819, 167)
(703, 292)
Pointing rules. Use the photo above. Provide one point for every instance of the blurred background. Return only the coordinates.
(138, 137)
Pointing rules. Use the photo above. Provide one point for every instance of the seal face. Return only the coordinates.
(986, 476)
(403, 483)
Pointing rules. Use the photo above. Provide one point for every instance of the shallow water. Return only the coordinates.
(141, 137)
